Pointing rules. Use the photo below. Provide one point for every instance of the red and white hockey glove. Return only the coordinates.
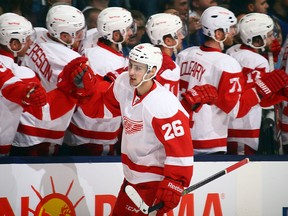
(169, 192)
(84, 80)
(271, 83)
(77, 78)
(110, 77)
(275, 48)
(197, 96)
(34, 95)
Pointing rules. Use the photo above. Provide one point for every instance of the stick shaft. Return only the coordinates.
(215, 176)
(203, 182)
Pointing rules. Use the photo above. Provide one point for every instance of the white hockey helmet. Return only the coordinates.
(161, 24)
(255, 24)
(216, 17)
(65, 18)
(14, 26)
(112, 19)
(148, 54)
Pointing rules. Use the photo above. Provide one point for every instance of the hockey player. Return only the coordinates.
(42, 131)
(88, 134)
(115, 25)
(20, 88)
(208, 65)
(52, 50)
(166, 31)
(157, 151)
(40, 128)
(256, 33)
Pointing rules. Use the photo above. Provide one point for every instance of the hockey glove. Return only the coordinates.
(66, 78)
(77, 78)
(84, 80)
(110, 77)
(169, 192)
(270, 83)
(199, 95)
(275, 48)
(34, 95)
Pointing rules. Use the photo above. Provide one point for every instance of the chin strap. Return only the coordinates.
(174, 47)
(221, 42)
(144, 80)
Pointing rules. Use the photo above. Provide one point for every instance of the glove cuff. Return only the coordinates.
(172, 185)
(262, 89)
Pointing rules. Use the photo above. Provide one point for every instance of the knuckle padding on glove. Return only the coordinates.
(34, 95)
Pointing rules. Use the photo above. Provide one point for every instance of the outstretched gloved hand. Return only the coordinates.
(197, 96)
(77, 78)
(271, 83)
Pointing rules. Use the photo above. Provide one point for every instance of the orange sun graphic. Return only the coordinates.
(55, 204)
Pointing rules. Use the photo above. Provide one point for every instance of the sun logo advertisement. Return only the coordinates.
(53, 204)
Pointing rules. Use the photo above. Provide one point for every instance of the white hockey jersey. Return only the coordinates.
(47, 124)
(156, 140)
(10, 112)
(246, 130)
(90, 41)
(104, 59)
(203, 65)
(103, 128)
(169, 75)
(47, 58)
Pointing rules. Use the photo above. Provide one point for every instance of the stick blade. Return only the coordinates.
(136, 199)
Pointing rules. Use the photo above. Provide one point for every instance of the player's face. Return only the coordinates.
(21, 48)
(25, 47)
(130, 31)
(181, 34)
(270, 38)
(136, 72)
(230, 36)
(80, 35)
(136, 38)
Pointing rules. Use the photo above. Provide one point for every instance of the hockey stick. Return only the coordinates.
(139, 202)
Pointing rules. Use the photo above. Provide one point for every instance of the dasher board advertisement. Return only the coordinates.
(256, 189)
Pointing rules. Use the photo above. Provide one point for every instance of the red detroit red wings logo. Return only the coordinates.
(132, 127)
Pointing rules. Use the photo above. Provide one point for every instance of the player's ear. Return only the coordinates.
(15, 44)
(116, 36)
(153, 71)
(219, 34)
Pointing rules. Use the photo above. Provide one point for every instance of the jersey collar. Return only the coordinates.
(209, 49)
(104, 46)
(137, 99)
(245, 47)
(6, 53)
